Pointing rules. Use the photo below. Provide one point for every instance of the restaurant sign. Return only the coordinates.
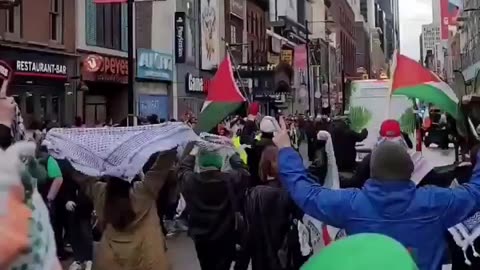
(105, 69)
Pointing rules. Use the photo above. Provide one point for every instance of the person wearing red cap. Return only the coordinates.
(423, 174)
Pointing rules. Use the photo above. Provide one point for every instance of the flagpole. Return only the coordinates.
(131, 65)
(227, 45)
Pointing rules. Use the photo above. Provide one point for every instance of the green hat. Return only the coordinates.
(361, 252)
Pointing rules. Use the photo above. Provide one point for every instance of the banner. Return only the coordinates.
(179, 37)
(209, 24)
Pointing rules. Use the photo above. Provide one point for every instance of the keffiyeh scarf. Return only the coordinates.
(313, 234)
(116, 151)
(218, 145)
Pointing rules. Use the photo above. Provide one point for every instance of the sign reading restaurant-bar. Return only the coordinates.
(40, 68)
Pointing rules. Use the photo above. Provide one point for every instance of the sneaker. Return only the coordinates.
(75, 266)
(88, 265)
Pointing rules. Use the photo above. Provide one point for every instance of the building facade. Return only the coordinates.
(155, 59)
(430, 37)
(102, 95)
(42, 57)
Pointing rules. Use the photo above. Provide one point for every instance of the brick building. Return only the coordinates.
(42, 56)
(344, 18)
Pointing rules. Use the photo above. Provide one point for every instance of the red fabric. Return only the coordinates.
(254, 108)
(223, 87)
(409, 73)
(390, 129)
(326, 236)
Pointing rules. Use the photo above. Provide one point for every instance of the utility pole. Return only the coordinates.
(307, 43)
(131, 119)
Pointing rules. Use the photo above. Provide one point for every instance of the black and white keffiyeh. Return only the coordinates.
(116, 151)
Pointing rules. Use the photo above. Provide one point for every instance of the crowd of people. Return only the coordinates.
(243, 210)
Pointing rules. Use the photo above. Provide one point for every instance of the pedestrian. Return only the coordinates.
(389, 202)
(268, 126)
(344, 142)
(51, 194)
(269, 233)
(79, 216)
(132, 238)
(213, 198)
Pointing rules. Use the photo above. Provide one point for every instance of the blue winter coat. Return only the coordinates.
(416, 217)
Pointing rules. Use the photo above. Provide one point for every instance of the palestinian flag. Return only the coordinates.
(411, 79)
(223, 98)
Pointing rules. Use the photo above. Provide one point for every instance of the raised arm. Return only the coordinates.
(156, 177)
(458, 203)
(329, 206)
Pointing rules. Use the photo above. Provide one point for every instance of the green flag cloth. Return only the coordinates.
(362, 252)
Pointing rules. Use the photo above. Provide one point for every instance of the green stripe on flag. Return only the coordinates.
(431, 94)
(214, 113)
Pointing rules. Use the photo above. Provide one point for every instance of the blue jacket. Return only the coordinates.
(418, 218)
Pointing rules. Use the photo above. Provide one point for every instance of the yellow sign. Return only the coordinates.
(287, 56)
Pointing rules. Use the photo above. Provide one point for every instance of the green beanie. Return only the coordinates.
(210, 160)
(362, 252)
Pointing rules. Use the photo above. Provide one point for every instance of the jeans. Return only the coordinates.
(81, 238)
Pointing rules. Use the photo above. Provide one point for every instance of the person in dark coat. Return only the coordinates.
(344, 140)
(80, 210)
(268, 126)
(269, 231)
(211, 208)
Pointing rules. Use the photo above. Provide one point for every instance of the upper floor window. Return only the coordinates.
(14, 20)
(56, 20)
(233, 33)
(109, 26)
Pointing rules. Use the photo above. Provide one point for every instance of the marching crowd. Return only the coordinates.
(245, 209)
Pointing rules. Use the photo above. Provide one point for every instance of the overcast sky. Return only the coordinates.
(413, 13)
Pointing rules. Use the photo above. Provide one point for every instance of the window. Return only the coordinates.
(109, 26)
(14, 20)
(56, 20)
(233, 34)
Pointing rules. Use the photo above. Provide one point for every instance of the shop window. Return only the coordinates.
(233, 33)
(56, 20)
(109, 24)
(14, 20)
(29, 103)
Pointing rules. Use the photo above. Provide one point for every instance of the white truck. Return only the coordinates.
(370, 104)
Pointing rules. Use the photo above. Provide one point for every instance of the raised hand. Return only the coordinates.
(281, 138)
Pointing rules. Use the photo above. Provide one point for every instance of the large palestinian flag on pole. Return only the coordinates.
(223, 98)
(411, 79)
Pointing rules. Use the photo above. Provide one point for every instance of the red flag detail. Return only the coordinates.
(223, 87)
(326, 236)
(409, 73)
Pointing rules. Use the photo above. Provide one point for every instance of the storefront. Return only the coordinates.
(40, 85)
(104, 89)
(192, 89)
(154, 80)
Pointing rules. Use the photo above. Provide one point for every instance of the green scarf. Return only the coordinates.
(362, 252)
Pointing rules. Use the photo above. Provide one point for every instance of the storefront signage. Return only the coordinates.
(154, 65)
(245, 67)
(196, 84)
(237, 8)
(105, 69)
(287, 56)
(37, 67)
(180, 37)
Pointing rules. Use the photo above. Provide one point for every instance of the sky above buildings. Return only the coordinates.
(413, 13)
